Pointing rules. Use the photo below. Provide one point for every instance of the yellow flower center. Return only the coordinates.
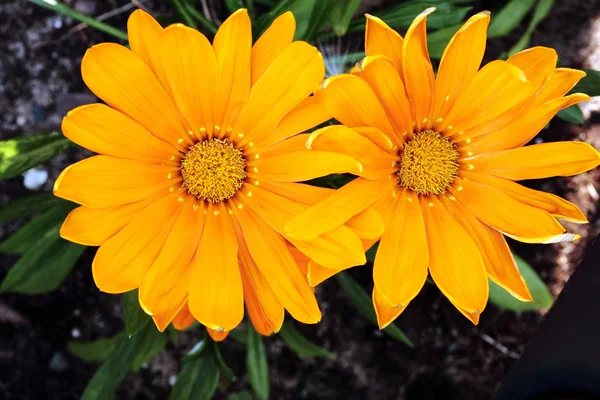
(428, 163)
(213, 170)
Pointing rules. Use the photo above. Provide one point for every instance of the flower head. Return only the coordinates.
(199, 155)
(440, 157)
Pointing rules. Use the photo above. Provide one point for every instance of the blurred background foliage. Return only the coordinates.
(336, 27)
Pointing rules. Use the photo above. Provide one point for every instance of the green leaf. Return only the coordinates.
(96, 350)
(37, 232)
(135, 318)
(239, 335)
(233, 5)
(438, 40)
(541, 11)
(572, 114)
(243, 395)
(300, 344)
(150, 345)
(590, 84)
(127, 354)
(222, 364)
(47, 259)
(256, 364)
(341, 15)
(318, 19)
(509, 17)
(265, 20)
(28, 205)
(359, 297)
(23, 153)
(199, 376)
(301, 10)
(541, 295)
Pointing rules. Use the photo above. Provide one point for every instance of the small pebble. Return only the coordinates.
(35, 178)
(75, 333)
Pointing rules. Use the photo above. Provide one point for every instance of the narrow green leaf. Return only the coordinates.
(341, 15)
(172, 334)
(318, 19)
(541, 295)
(590, 84)
(243, 395)
(222, 364)
(95, 350)
(239, 335)
(542, 9)
(37, 232)
(256, 364)
(199, 376)
(233, 5)
(302, 10)
(300, 344)
(151, 343)
(438, 40)
(135, 318)
(69, 12)
(23, 153)
(509, 17)
(127, 353)
(28, 205)
(572, 114)
(265, 20)
(359, 297)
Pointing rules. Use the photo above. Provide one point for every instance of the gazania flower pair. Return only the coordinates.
(194, 197)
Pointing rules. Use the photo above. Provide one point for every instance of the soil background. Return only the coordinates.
(40, 54)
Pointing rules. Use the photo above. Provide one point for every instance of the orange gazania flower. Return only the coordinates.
(195, 179)
(440, 157)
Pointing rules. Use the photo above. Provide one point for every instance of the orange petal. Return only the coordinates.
(377, 137)
(455, 262)
(386, 312)
(277, 265)
(417, 69)
(460, 62)
(232, 46)
(497, 89)
(103, 181)
(122, 79)
(94, 226)
(292, 77)
(143, 32)
(376, 163)
(551, 203)
(559, 82)
(382, 75)
(217, 336)
(400, 268)
(121, 262)
(165, 286)
(537, 63)
(184, 319)
(350, 100)
(502, 212)
(367, 224)
(336, 249)
(306, 115)
(380, 39)
(104, 130)
(298, 192)
(538, 161)
(336, 209)
(216, 295)
(264, 309)
(190, 66)
(271, 43)
(521, 130)
(497, 257)
(301, 165)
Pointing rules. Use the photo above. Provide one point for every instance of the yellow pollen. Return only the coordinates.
(213, 170)
(428, 163)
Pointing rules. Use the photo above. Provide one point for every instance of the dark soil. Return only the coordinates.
(40, 53)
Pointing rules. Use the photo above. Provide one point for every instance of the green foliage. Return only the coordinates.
(318, 19)
(129, 353)
(28, 205)
(359, 297)
(590, 84)
(234, 5)
(541, 295)
(95, 350)
(135, 318)
(243, 395)
(438, 40)
(509, 17)
(341, 15)
(264, 21)
(572, 114)
(199, 376)
(542, 9)
(25, 152)
(256, 364)
(300, 344)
